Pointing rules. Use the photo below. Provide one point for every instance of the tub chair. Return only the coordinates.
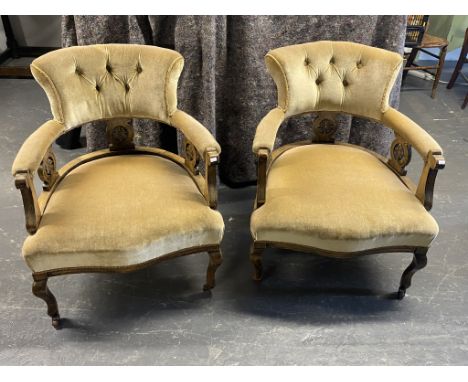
(124, 207)
(336, 199)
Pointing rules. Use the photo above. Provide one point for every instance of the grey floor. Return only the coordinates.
(308, 311)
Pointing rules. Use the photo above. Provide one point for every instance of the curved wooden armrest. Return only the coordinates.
(425, 190)
(25, 183)
(263, 156)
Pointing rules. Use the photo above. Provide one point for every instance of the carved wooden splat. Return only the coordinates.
(192, 159)
(325, 126)
(400, 155)
(47, 170)
(120, 134)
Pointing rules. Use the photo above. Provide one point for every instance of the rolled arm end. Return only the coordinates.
(267, 129)
(411, 132)
(35, 147)
(195, 132)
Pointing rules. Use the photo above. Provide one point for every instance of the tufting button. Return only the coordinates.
(109, 68)
(306, 61)
(127, 88)
(359, 65)
(345, 83)
(318, 81)
(332, 60)
(78, 71)
(98, 88)
(139, 68)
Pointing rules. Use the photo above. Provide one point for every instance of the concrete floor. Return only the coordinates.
(308, 311)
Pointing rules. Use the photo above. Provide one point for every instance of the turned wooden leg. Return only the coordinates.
(256, 251)
(419, 262)
(216, 258)
(440, 66)
(460, 62)
(40, 289)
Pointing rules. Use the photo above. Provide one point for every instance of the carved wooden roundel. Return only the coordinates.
(400, 155)
(120, 134)
(47, 170)
(325, 127)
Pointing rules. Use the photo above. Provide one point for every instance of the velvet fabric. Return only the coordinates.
(333, 76)
(32, 151)
(98, 82)
(339, 198)
(225, 84)
(121, 211)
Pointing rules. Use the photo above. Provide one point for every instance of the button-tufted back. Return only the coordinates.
(333, 76)
(86, 83)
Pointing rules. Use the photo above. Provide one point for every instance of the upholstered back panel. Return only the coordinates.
(86, 83)
(333, 76)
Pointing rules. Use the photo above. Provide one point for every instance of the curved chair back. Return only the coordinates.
(333, 76)
(88, 83)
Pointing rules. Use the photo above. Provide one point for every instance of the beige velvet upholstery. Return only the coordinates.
(125, 207)
(120, 211)
(411, 132)
(333, 76)
(267, 130)
(30, 155)
(89, 83)
(339, 198)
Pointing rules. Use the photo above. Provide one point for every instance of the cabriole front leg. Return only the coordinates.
(419, 262)
(216, 258)
(41, 290)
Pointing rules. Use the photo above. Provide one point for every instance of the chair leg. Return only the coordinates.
(419, 262)
(443, 51)
(409, 62)
(216, 258)
(460, 62)
(256, 252)
(40, 289)
(465, 102)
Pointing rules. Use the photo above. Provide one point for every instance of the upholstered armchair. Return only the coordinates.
(335, 199)
(124, 207)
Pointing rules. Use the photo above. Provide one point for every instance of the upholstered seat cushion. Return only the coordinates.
(339, 198)
(121, 211)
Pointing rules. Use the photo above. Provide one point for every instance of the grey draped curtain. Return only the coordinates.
(225, 84)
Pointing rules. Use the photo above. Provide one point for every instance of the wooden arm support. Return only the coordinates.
(211, 159)
(425, 190)
(211, 191)
(24, 182)
(263, 156)
(400, 156)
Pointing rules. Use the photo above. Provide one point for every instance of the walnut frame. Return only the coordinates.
(424, 191)
(51, 178)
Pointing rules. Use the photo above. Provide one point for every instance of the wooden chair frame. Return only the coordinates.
(400, 157)
(207, 184)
